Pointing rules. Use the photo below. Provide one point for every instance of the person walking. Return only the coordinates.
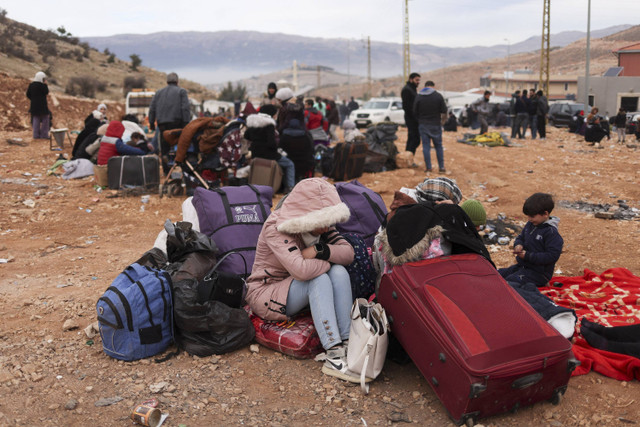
(430, 110)
(483, 108)
(408, 94)
(40, 115)
(170, 109)
(542, 110)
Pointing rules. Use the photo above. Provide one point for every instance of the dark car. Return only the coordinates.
(560, 113)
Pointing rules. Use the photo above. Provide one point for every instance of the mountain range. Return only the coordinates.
(216, 57)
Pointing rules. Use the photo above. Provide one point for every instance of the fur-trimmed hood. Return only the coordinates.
(415, 252)
(260, 120)
(313, 203)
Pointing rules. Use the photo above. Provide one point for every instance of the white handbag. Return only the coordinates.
(368, 340)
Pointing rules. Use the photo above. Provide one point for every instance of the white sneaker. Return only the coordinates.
(336, 365)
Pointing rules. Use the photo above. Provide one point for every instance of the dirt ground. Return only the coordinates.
(66, 242)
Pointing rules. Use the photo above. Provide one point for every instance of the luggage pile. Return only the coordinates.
(481, 347)
(382, 151)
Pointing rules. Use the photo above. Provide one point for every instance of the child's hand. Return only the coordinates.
(517, 249)
(521, 254)
(309, 253)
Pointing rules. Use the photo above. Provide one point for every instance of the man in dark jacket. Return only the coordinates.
(542, 109)
(533, 111)
(522, 116)
(430, 110)
(408, 94)
(170, 109)
(40, 115)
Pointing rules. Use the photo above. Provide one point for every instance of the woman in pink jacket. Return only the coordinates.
(299, 263)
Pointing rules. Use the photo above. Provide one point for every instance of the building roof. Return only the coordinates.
(634, 48)
(557, 78)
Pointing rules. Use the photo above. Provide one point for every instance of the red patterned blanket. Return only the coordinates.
(611, 299)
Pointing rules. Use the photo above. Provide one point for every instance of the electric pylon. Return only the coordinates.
(406, 69)
(543, 83)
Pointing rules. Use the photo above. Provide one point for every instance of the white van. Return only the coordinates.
(138, 102)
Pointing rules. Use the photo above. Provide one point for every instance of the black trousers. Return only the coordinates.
(413, 135)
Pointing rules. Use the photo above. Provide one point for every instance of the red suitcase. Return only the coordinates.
(480, 346)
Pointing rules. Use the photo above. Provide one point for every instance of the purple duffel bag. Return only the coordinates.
(367, 210)
(232, 217)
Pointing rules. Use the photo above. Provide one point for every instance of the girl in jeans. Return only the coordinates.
(299, 263)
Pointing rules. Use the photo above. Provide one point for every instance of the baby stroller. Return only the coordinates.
(204, 151)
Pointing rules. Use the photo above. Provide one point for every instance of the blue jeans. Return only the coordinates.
(329, 296)
(430, 133)
(289, 171)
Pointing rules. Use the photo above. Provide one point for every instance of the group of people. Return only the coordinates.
(528, 111)
(301, 257)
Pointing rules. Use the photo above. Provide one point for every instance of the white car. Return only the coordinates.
(378, 110)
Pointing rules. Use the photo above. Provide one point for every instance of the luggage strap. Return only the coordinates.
(376, 209)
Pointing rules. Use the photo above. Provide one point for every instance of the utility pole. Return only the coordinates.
(406, 57)
(543, 82)
(586, 68)
(348, 69)
(507, 74)
(369, 66)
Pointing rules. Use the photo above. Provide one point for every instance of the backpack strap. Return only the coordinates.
(376, 209)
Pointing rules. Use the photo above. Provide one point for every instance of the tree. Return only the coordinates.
(111, 59)
(135, 61)
(63, 32)
(231, 94)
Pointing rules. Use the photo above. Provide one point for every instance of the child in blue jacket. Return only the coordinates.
(539, 245)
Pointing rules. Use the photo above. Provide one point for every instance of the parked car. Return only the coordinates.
(378, 110)
(561, 113)
(632, 122)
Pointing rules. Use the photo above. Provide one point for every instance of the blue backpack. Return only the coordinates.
(135, 314)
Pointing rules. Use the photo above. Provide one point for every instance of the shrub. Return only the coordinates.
(135, 61)
(133, 82)
(111, 59)
(85, 86)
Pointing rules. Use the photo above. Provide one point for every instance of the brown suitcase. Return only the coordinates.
(265, 172)
(348, 160)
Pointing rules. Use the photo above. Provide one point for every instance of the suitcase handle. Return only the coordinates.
(528, 381)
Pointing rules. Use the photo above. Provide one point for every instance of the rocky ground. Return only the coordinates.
(65, 242)
(62, 243)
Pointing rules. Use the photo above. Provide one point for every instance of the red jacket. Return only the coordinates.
(314, 119)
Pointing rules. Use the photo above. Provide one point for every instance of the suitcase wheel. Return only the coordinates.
(556, 398)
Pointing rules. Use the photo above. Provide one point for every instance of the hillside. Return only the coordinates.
(24, 50)
(568, 60)
(216, 57)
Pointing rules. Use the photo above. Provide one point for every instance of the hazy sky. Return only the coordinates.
(449, 23)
